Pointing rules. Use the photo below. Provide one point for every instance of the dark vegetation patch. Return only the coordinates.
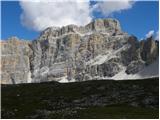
(88, 99)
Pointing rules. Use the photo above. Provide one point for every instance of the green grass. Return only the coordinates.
(24, 100)
(117, 111)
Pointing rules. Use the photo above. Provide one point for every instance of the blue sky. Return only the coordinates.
(11, 23)
(138, 20)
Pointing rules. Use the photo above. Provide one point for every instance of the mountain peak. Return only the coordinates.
(104, 24)
(76, 53)
(108, 26)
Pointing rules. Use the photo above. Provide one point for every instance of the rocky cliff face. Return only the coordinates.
(15, 61)
(71, 53)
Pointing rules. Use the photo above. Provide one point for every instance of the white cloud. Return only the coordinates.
(150, 33)
(109, 7)
(154, 34)
(157, 35)
(41, 14)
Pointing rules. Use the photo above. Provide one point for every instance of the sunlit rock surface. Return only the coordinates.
(76, 53)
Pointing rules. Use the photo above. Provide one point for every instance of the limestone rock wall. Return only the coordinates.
(15, 61)
(71, 53)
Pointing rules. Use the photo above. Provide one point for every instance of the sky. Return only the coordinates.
(27, 19)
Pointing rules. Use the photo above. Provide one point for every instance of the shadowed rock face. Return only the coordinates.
(149, 50)
(72, 53)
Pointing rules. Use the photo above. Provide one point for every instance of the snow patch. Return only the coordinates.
(29, 80)
(105, 57)
(147, 72)
(65, 80)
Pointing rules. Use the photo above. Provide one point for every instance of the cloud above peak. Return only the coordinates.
(150, 33)
(154, 34)
(157, 35)
(40, 14)
(109, 7)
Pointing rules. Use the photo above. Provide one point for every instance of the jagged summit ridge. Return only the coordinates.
(98, 50)
(109, 26)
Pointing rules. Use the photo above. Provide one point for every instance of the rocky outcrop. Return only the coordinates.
(133, 52)
(104, 25)
(71, 53)
(149, 50)
(134, 67)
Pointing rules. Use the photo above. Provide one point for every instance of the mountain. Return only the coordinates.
(98, 50)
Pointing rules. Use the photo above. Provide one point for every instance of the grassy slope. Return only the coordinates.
(90, 99)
